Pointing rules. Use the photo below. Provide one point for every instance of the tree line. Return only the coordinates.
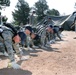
(23, 11)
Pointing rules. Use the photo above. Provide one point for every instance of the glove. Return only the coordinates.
(14, 65)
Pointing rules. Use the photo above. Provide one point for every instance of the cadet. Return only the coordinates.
(11, 40)
(25, 37)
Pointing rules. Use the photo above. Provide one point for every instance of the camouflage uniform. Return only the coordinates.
(2, 48)
(9, 44)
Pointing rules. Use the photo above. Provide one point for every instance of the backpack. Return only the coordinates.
(11, 27)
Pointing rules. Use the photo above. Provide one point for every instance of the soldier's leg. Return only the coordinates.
(7, 35)
(2, 48)
(58, 35)
(19, 52)
(28, 41)
(17, 49)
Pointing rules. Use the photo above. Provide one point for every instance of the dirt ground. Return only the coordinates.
(60, 59)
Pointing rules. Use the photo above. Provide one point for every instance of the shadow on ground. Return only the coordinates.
(28, 52)
(9, 71)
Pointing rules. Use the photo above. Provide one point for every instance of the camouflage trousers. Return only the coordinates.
(10, 46)
(2, 47)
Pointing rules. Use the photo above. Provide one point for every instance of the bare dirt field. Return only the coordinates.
(60, 59)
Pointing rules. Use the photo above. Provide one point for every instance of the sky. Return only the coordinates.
(65, 7)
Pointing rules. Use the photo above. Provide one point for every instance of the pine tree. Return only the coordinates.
(4, 3)
(21, 12)
(41, 6)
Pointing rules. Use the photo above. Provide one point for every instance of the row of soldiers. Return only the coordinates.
(11, 40)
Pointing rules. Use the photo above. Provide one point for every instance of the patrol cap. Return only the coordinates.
(51, 26)
(29, 28)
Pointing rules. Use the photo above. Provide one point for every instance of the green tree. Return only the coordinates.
(41, 6)
(53, 12)
(4, 19)
(21, 12)
(4, 3)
